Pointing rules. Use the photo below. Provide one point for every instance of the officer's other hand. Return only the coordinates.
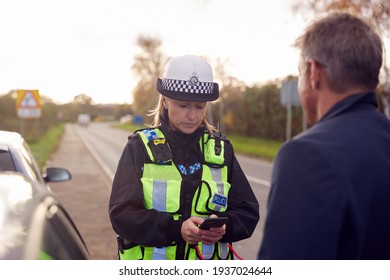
(214, 234)
(190, 231)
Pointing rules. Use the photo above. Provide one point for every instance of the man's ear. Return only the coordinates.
(314, 72)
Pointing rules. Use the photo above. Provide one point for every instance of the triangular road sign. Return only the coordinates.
(28, 104)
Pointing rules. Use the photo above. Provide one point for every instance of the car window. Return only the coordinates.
(6, 162)
(32, 166)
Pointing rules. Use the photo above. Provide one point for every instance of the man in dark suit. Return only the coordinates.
(330, 188)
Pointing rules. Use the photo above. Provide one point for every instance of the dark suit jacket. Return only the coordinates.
(330, 189)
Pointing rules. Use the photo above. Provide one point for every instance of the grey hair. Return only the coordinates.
(348, 49)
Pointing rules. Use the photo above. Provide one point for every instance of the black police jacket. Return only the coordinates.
(132, 221)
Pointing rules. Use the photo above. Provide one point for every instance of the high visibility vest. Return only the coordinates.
(161, 183)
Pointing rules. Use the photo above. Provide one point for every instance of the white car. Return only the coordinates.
(33, 223)
(15, 155)
(126, 119)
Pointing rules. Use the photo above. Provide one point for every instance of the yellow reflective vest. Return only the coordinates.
(161, 183)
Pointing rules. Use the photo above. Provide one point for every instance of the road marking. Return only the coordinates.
(254, 161)
(258, 181)
(96, 156)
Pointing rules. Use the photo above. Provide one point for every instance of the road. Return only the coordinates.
(105, 145)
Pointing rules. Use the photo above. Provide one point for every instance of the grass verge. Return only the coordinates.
(255, 147)
(43, 147)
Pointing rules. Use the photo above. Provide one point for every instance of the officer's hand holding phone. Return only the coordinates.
(213, 229)
(213, 222)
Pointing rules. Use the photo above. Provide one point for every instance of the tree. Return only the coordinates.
(8, 115)
(83, 99)
(148, 65)
(376, 12)
(231, 93)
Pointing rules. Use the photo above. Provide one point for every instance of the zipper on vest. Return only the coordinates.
(188, 202)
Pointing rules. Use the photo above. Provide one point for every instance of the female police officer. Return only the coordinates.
(175, 174)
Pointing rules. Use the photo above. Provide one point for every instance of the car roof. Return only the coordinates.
(16, 202)
(10, 138)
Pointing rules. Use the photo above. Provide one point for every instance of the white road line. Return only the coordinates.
(258, 181)
(254, 161)
(96, 156)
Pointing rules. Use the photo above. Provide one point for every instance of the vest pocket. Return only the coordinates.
(160, 253)
(207, 251)
(134, 253)
(162, 195)
(211, 197)
(224, 251)
(216, 251)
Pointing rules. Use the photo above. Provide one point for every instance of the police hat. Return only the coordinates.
(188, 78)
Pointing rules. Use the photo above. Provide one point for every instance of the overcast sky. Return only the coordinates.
(65, 48)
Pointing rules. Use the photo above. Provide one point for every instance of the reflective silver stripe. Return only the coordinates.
(216, 174)
(207, 251)
(159, 253)
(223, 247)
(159, 203)
(160, 195)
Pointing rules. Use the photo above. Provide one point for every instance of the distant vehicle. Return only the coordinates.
(15, 155)
(83, 119)
(33, 223)
(126, 119)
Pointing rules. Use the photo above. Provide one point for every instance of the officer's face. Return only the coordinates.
(185, 116)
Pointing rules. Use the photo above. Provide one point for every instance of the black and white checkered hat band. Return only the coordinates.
(187, 86)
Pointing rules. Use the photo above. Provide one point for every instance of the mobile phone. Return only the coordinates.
(213, 222)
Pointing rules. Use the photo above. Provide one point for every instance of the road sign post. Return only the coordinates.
(288, 98)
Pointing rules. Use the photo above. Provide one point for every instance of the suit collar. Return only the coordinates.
(349, 102)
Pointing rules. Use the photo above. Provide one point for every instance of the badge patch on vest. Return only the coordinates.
(219, 200)
(160, 150)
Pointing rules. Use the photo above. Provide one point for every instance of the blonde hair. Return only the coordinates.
(159, 111)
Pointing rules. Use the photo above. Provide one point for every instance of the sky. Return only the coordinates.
(65, 48)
